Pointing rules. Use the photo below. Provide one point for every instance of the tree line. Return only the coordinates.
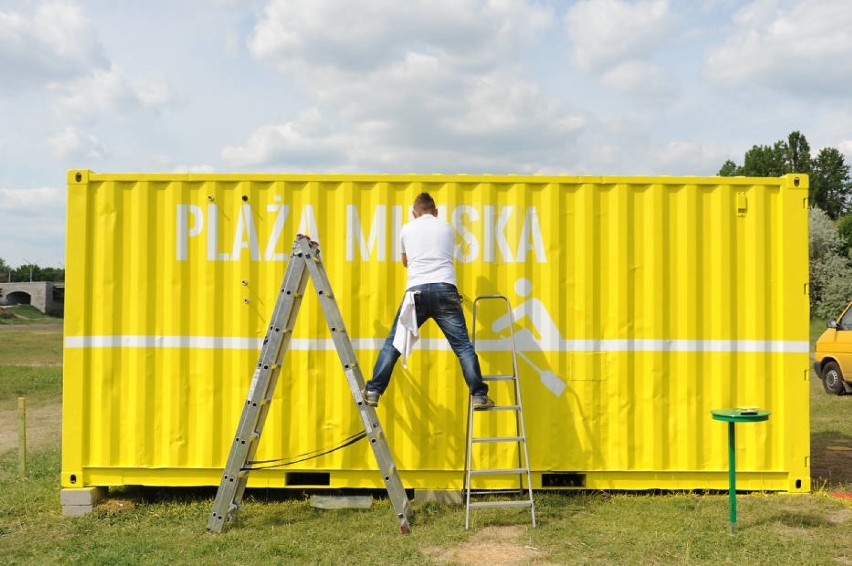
(829, 218)
(29, 272)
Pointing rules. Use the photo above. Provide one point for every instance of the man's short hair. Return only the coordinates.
(424, 204)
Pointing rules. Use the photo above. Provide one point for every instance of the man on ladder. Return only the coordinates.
(428, 245)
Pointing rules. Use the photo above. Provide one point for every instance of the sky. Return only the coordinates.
(601, 87)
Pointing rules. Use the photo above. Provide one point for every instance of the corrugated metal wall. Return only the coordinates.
(641, 304)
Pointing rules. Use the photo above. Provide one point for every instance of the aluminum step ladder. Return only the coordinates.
(304, 261)
(521, 496)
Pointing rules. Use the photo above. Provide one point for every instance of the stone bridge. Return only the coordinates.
(46, 296)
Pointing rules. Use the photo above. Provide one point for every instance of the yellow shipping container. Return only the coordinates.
(641, 304)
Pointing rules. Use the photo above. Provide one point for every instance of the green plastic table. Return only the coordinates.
(733, 416)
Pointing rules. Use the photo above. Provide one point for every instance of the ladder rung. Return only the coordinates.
(498, 472)
(498, 439)
(517, 491)
(517, 503)
(499, 377)
(499, 408)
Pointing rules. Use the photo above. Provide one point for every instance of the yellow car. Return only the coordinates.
(834, 354)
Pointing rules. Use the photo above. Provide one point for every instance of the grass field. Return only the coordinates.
(156, 526)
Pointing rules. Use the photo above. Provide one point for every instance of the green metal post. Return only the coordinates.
(732, 476)
(22, 436)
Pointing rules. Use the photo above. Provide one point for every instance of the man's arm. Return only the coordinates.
(404, 260)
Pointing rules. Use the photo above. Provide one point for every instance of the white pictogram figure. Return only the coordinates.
(549, 336)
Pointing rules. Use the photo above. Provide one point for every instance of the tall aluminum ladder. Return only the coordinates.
(304, 261)
(473, 466)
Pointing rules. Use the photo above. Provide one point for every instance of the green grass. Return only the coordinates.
(31, 345)
(156, 526)
(30, 364)
(37, 384)
(25, 314)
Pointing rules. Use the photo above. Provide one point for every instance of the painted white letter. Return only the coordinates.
(213, 234)
(277, 228)
(245, 225)
(377, 234)
(500, 233)
(466, 235)
(531, 228)
(183, 231)
(308, 223)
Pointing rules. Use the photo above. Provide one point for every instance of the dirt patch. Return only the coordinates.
(833, 465)
(496, 546)
(114, 506)
(44, 427)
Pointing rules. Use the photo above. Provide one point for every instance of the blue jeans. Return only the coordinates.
(442, 302)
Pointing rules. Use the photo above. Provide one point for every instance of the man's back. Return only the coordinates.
(429, 245)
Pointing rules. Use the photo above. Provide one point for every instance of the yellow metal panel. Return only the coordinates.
(641, 304)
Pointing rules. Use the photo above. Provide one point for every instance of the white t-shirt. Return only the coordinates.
(429, 245)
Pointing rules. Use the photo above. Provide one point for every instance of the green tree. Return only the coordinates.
(844, 230)
(797, 154)
(765, 161)
(730, 169)
(54, 274)
(830, 274)
(830, 184)
(831, 188)
(27, 272)
(792, 155)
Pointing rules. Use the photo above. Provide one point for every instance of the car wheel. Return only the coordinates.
(832, 379)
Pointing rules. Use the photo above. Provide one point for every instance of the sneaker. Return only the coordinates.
(371, 397)
(482, 402)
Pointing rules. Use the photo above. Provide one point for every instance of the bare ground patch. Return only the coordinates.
(496, 546)
(44, 427)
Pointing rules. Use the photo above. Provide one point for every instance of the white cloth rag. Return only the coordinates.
(407, 333)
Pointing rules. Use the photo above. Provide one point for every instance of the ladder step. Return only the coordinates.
(498, 472)
(499, 377)
(499, 408)
(492, 492)
(517, 503)
(498, 439)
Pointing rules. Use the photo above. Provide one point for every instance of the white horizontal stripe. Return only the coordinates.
(439, 344)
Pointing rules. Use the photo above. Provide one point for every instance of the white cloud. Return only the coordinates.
(53, 42)
(32, 225)
(110, 90)
(607, 33)
(637, 77)
(845, 147)
(687, 157)
(417, 116)
(406, 86)
(302, 143)
(649, 157)
(194, 169)
(802, 47)
(318, 33)
(32, 199)
(70, 143)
